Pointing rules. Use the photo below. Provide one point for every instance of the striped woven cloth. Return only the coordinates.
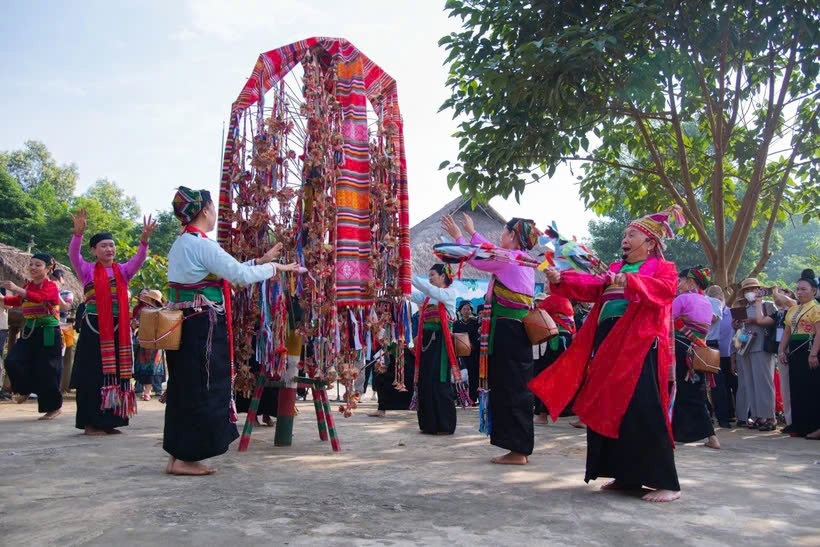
(90, 297)
(359, 79)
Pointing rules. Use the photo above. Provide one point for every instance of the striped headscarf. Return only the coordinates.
(700, 274)
(526, 231)
(657, 225)
(188, 203)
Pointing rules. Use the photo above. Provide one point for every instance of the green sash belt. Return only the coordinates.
(47, 324)
(214, 294)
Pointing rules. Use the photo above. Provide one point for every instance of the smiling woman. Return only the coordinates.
(102, 375)
(34, 364)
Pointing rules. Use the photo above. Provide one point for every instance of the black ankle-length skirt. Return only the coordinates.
(804, 385)
(690, 417)
(389, 397)
(197, 410)
(436, 399)
(511, 401)
(643, 454)
(35, 368)
(87, 378)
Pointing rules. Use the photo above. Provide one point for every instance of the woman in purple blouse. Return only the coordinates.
(506, 359)
(89, 376)
(692, 315)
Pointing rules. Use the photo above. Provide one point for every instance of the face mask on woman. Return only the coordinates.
(750, 296)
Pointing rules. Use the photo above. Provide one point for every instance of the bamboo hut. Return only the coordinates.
(14, 267)
(488, 222)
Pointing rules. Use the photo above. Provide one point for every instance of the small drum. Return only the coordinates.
(706, 359)
(160, 328)
(539, 326)
(461, 342)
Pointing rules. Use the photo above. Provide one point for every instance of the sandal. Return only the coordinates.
(767, 426)
(146, 397)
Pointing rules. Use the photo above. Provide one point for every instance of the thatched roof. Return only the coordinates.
(14, 267)
(488, 222)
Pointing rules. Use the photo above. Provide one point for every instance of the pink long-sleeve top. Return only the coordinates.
(85, 270)
(520, 279)
(693, 309)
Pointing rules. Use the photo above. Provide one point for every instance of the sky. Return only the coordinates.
(137, 92)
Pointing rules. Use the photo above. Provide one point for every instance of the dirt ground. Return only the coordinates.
(388, 486)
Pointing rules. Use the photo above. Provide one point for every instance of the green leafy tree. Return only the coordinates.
(53, 229)
(19, 214)
(712, 106)
(167, 231)
(114, 200)
(34, 165)
(606, 235)
(152, 275)
(800, 250)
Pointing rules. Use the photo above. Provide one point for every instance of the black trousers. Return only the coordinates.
(35, 368)
(725, 390)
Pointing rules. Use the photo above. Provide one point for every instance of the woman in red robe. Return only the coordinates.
(618, 364)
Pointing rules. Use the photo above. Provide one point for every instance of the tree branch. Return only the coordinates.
(611, 164)
(684, 162)
(745, 217)
(693, 216)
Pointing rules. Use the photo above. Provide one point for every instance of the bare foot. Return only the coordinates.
(170, 464)
(814, 435)
(94, 432)
(511, 458)
(712, 442)
(662, 495)
(179, 467)
(377, 414)
(541, 419)
(19, 398)
(443, 433)
(112, 431)
(615, 484)
(578, 424)
(268, 421)
(51, 415)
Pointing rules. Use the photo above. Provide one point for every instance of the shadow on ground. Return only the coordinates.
(388, 486)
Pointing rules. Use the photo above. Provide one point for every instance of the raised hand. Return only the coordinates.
(148, 226)
(449, 225)
(80, 220)
(467, 223)
(272, 254)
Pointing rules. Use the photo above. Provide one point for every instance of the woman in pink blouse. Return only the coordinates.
(103, 363)
(506, 360)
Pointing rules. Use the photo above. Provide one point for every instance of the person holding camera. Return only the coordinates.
(751, 361)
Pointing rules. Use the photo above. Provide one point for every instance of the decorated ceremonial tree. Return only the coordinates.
(708, 105)
(316, 161)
